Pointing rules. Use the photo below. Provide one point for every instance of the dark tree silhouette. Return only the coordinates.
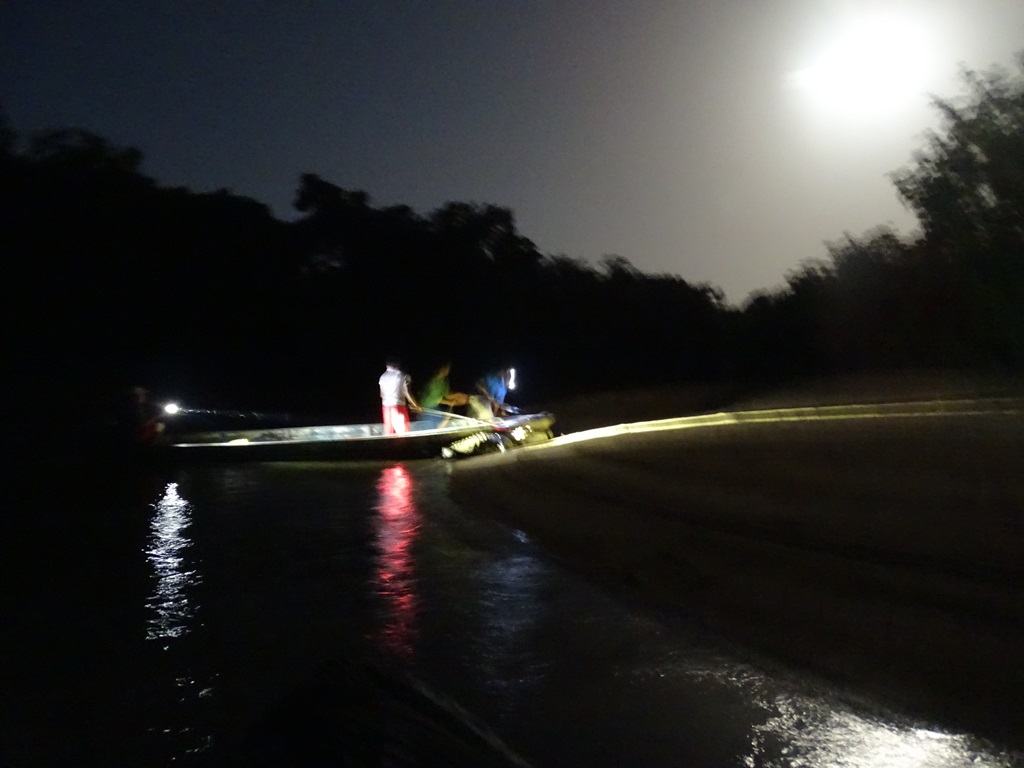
(967, 188)
(951, 296)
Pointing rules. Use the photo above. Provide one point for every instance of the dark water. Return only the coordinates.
(188, 618)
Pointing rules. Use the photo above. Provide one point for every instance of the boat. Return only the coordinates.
(463, 437)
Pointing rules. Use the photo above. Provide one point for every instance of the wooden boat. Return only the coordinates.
(463, 437)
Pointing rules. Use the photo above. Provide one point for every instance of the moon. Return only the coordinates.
(870, 67)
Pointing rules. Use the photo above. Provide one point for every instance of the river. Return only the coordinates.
(178, 617)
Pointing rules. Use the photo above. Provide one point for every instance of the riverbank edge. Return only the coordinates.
(788, 605)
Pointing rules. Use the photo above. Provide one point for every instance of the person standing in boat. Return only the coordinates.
(396, 399)
(437, 394)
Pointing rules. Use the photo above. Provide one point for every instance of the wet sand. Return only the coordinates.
(869, 531)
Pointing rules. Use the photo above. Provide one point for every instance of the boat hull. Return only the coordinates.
(358, 442)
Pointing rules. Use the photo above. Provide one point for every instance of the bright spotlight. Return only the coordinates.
(171, 409)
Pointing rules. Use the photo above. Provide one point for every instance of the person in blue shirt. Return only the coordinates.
(493, 389)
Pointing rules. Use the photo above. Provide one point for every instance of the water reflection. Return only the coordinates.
(168, 546)
(398, 523)
(511, 610)
(803, 732)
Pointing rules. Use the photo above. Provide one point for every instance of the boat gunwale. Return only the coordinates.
(432, 433)
(413, 444)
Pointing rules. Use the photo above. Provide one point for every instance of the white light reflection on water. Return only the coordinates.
(169, 602)
(814, 735)
(397, 527)
(822, 731)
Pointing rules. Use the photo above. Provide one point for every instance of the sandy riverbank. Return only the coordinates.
(883, 553)
(663, 402)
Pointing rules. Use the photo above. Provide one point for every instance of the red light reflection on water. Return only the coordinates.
(397, 526)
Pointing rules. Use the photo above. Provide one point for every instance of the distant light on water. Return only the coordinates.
(169, 604)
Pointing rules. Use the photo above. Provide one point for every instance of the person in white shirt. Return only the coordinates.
(395, 399)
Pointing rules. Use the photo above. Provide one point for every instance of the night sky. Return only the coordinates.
(720, 140)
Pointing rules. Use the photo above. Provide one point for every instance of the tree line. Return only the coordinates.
(950, 295)
(114, 279)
